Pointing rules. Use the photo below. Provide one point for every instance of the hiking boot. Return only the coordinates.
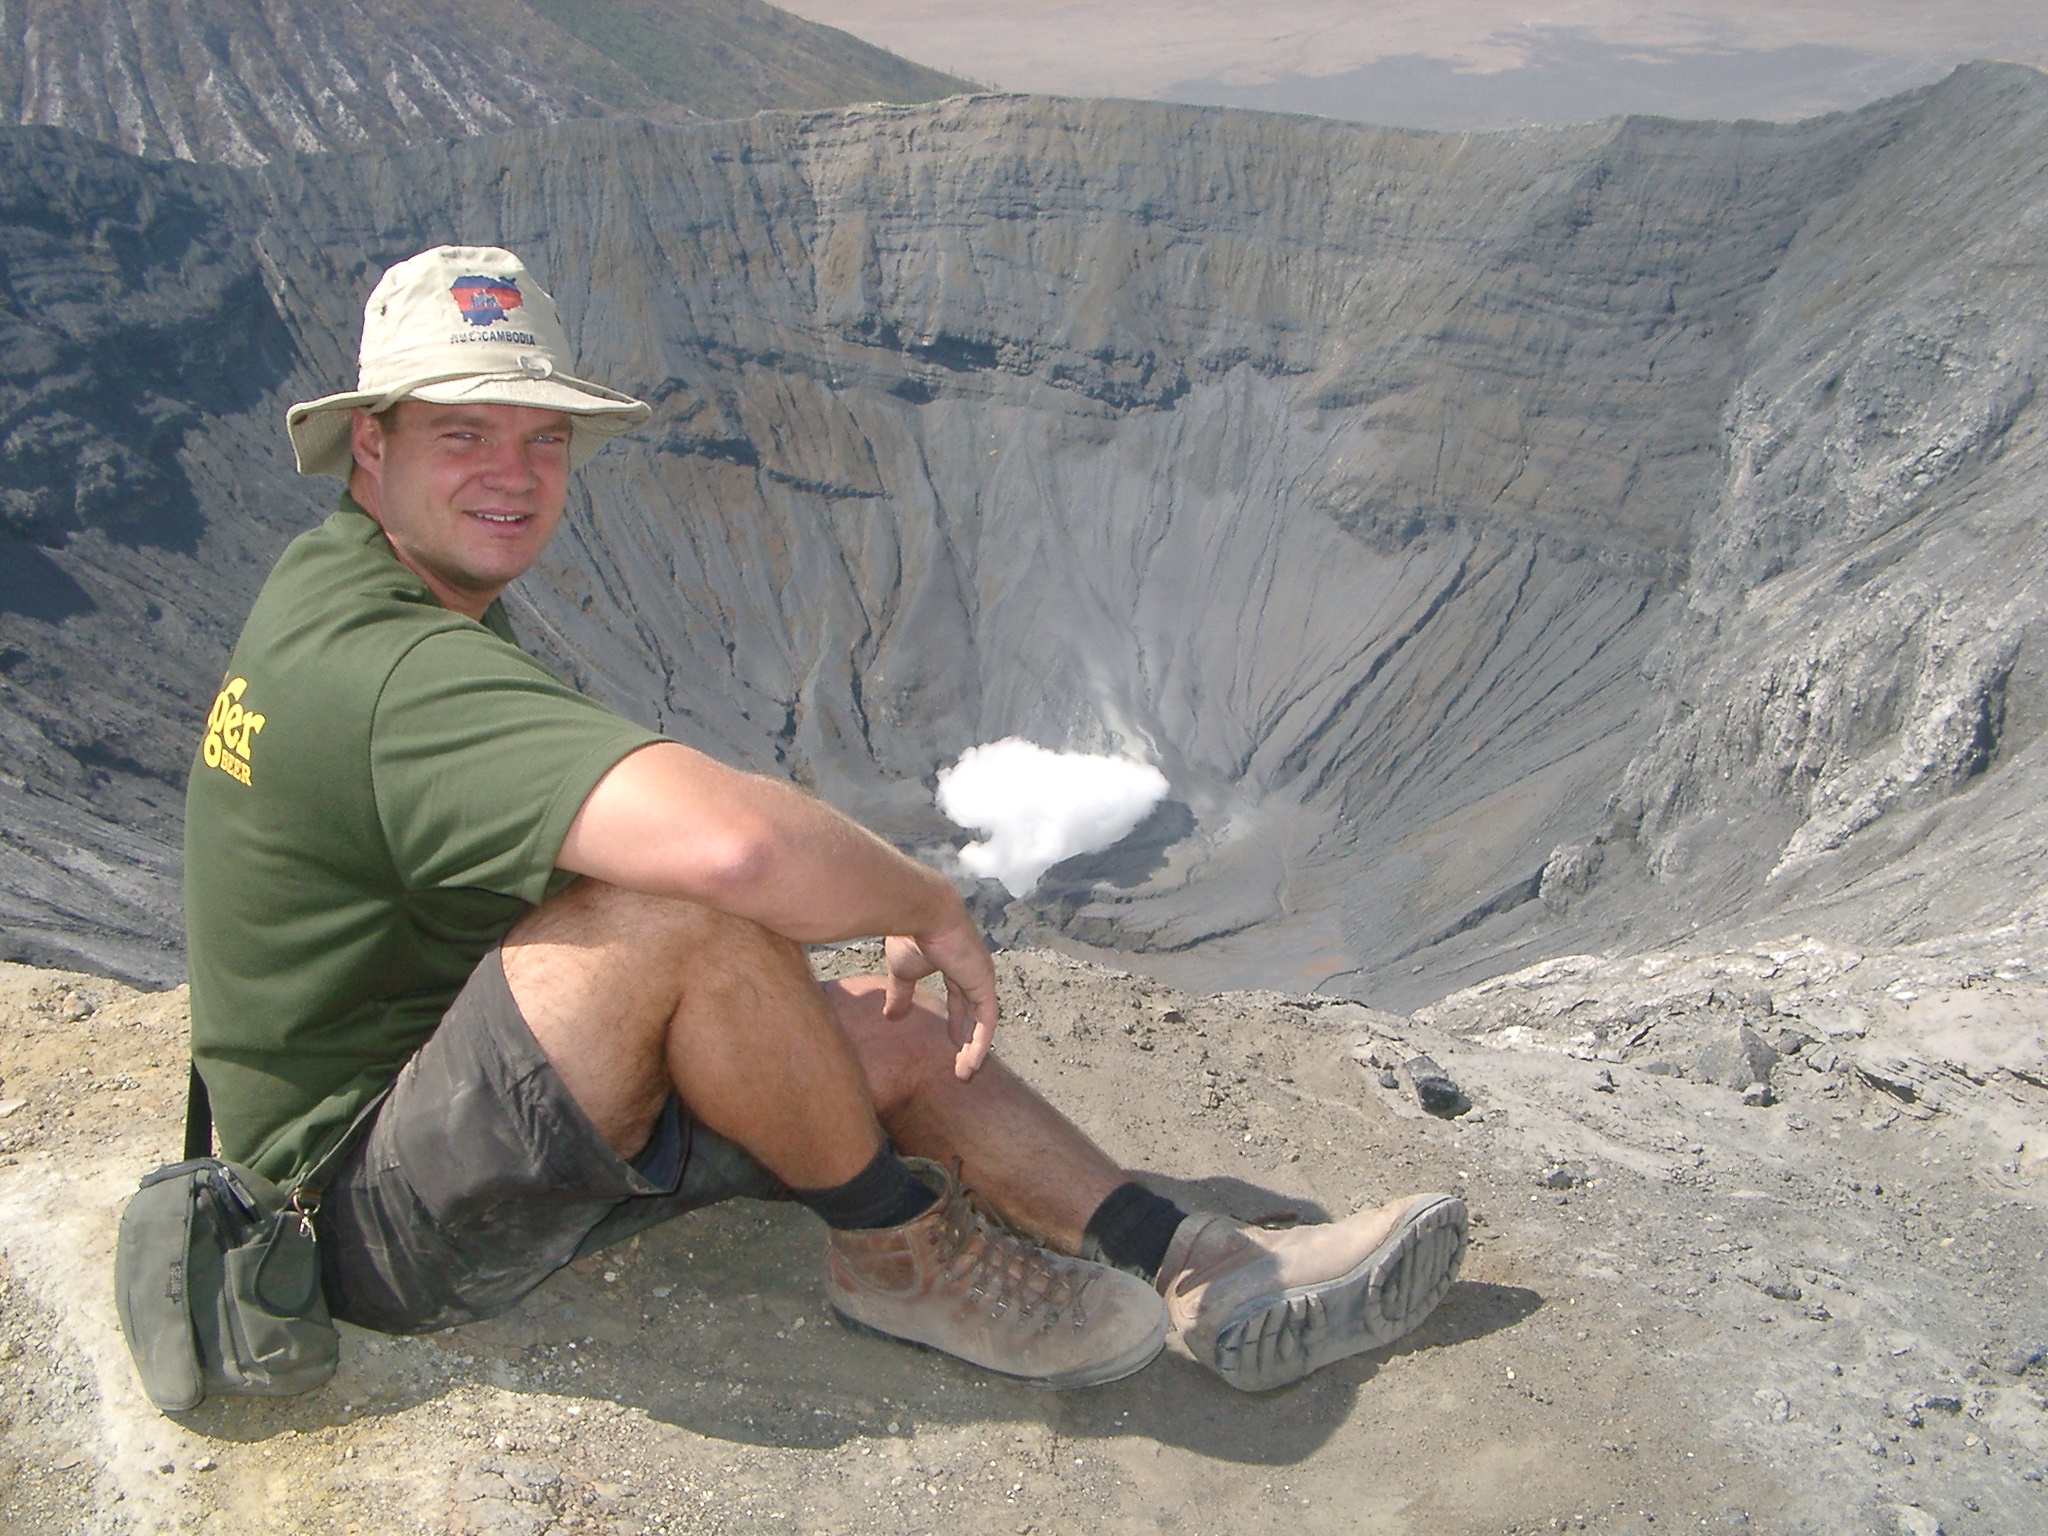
(958, 1281)
(1263, 1308)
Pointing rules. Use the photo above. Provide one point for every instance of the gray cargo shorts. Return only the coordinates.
(479, 1176)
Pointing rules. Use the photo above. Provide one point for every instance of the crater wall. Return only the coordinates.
(1504, 543)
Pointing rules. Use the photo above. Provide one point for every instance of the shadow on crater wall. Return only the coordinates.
(36, 587)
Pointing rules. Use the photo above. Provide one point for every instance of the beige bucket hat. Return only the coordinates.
(456, 324)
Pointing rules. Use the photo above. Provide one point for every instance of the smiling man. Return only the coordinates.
(432, 481)
(546, 969)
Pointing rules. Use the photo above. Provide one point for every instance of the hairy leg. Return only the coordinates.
(630, 995)
(1034, 1165)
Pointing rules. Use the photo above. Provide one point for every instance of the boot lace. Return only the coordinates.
(1012, 1274)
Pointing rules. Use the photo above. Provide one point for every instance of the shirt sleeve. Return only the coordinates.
(480, 760)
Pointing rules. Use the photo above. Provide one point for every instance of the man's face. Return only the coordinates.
(468, 495)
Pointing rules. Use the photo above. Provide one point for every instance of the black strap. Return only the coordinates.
(198, 1118)
(322, 1173)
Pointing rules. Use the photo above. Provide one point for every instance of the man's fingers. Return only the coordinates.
(957, 952)
(896, 996)
(957, 1027)
(975, 1052)
(974, 1044)
(907, 965)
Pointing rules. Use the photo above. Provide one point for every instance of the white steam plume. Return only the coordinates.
(1037, 807)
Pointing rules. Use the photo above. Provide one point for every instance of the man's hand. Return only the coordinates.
(957, 953)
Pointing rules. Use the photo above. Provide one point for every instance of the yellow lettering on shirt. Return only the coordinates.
(230, 728)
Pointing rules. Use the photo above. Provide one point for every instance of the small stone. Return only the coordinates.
(1369, 1054)
(204, 1464)
(1759, 1096)
(1435, 1090)
(1890, 1074)
(1739, 1061)
(1915, 1521)
(1774, 1403)
(11, 1106)
(1603, 1081)
(2020, 1361)
(1563, 1176)
(1387, 1078)
(1569, 872)
(167, 1467)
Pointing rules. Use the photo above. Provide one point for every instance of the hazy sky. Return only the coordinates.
(1478, 63)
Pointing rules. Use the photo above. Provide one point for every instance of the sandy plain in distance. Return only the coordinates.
(1144, 47)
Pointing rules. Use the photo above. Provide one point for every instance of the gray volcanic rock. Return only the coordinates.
(135, 336)
(250, 81)
(1739, 1060)
(1504, 544)
(1858, 674)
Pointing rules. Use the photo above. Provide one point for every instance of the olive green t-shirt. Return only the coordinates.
(381, 791)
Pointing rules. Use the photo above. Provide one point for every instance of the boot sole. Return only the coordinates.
(1094, 1374)
(1273, 1340)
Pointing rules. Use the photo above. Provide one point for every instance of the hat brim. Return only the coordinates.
(320, 428)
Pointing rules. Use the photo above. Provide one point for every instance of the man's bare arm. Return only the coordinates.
(669, 821)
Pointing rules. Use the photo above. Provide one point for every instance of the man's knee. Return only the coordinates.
(619, 966)
(898, 1057)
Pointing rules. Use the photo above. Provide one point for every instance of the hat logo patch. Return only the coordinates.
(486, 300)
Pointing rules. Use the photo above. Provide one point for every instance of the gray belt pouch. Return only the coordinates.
(218, 1282)
(217, 1276)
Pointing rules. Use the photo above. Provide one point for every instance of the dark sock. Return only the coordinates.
(1131, 1230)
(883, 1194)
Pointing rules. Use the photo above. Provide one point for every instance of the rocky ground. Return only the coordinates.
(1759, 1246)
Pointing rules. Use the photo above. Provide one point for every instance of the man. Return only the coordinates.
(550, 967)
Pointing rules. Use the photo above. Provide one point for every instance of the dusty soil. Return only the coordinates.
(1681, 1311)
